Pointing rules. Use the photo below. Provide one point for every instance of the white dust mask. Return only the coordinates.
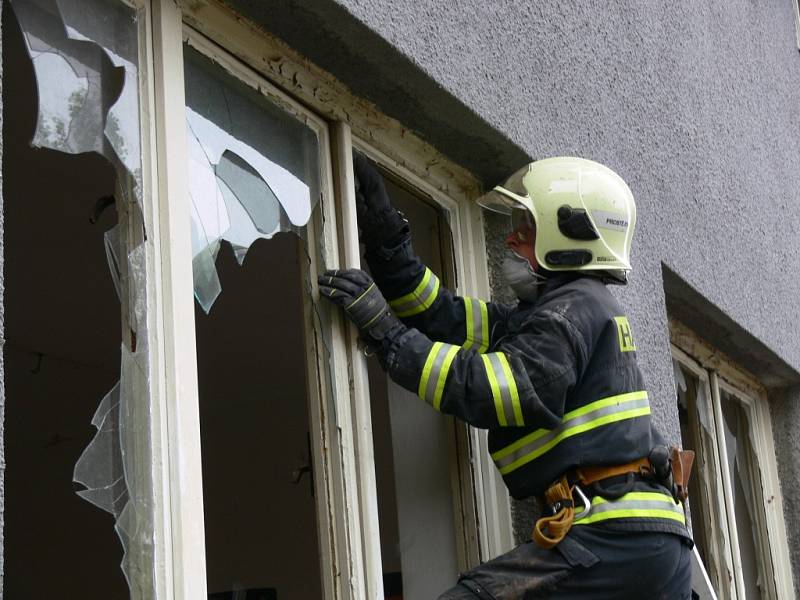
(520, 276)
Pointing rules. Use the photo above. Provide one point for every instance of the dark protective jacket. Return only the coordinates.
(556, 382)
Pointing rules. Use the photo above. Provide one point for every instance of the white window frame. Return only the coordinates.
(465, 504)
(347, 521)
(717, 372)
(332, 442)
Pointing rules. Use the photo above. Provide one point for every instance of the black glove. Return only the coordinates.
(381, 225)
(363, 303)
(371, 193)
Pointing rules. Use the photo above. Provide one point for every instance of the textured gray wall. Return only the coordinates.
(785, 409)
(696, 105)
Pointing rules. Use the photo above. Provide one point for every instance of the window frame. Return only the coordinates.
(334, 468)
(489, 501)
(462, 480)
(722, 374)
(347, 520)
(707, 465)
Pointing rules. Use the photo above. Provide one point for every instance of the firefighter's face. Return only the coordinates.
(523, 237)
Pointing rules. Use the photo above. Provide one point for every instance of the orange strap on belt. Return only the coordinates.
(588, 475)
(549, 531)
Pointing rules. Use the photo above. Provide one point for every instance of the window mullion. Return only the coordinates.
(181, 421)
(727, 486)
(362, 421)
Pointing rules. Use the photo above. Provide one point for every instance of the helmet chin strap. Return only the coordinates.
(520, 276)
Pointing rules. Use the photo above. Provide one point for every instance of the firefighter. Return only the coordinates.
(554, 379)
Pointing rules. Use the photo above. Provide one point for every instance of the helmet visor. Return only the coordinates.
(507, 196)
(521, 218)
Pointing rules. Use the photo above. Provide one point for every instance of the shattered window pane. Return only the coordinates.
(253, 168)
(88, 92)
(85, 59)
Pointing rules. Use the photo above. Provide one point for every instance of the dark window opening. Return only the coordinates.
(415, 448)
(258, 491)
(62, 352)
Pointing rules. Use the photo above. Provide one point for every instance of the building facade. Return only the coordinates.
(185, 419)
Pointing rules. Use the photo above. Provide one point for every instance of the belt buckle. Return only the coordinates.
(587, 506)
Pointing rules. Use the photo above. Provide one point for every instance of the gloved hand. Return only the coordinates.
(363, 303)
(381, 225)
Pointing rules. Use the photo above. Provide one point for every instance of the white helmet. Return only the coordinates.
(584, 213)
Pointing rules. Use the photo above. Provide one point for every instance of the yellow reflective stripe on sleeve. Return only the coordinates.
(484, 328)
(426, 370)
(504, 388)
(477, 325)
(593, 415)
(434, 373)
(648, 505)
(496, 395)
(470, 320)
(420, 299)
(442, 379)
(512, 388)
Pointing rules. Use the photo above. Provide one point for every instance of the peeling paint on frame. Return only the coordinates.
(328, 97)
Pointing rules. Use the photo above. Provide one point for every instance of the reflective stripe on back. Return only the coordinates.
(585, 418)
(477, 324)
(504, 389)
(647, 505)
(420, 299)
(434, 373)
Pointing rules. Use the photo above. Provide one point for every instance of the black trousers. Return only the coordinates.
(590, 562)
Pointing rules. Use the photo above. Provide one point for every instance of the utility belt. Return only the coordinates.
(612, 489)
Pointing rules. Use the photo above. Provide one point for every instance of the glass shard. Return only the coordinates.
(112, 26)
(99, 468)
(85, 56)
(113, 252)
(253, 169)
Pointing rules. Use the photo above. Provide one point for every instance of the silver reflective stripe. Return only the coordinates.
(591, 416)
(434, 373)
(477, 324)
(647, 505)
(504, 389)
(418, 300)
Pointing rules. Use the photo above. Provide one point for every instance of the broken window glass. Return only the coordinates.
(85, 56)
(253, 168)
(85, 59)
(254, 164)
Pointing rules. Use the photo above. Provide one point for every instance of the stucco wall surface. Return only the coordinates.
(785, 409)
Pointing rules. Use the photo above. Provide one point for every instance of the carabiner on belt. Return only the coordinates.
(587, 506)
